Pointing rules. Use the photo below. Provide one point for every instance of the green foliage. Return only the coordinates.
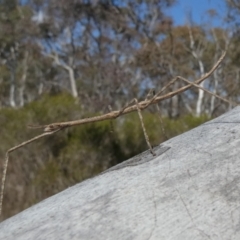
(175, 127)
(56, 108)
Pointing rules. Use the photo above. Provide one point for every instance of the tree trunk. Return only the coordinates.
(200, 91)
(23, 80)
(70, 72)
(12, 89)
(72, 81)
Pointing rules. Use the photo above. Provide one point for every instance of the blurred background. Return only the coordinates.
(65, 60)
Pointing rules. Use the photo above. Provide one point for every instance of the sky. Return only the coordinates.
(198, 9)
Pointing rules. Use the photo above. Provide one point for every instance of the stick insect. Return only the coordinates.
(132, 106)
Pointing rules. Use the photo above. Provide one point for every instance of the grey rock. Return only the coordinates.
(189, 190)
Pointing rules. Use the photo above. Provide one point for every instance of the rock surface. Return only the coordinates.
(189, 190)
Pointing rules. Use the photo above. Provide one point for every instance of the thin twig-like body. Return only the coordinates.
(142, 105)
(55, 127)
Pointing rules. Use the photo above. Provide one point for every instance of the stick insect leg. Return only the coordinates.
(150, 94)
(126, 106)
(204, 89)
(143, 127)
(161, 91)
(3, 179)
(5, 165)
(141, 120)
